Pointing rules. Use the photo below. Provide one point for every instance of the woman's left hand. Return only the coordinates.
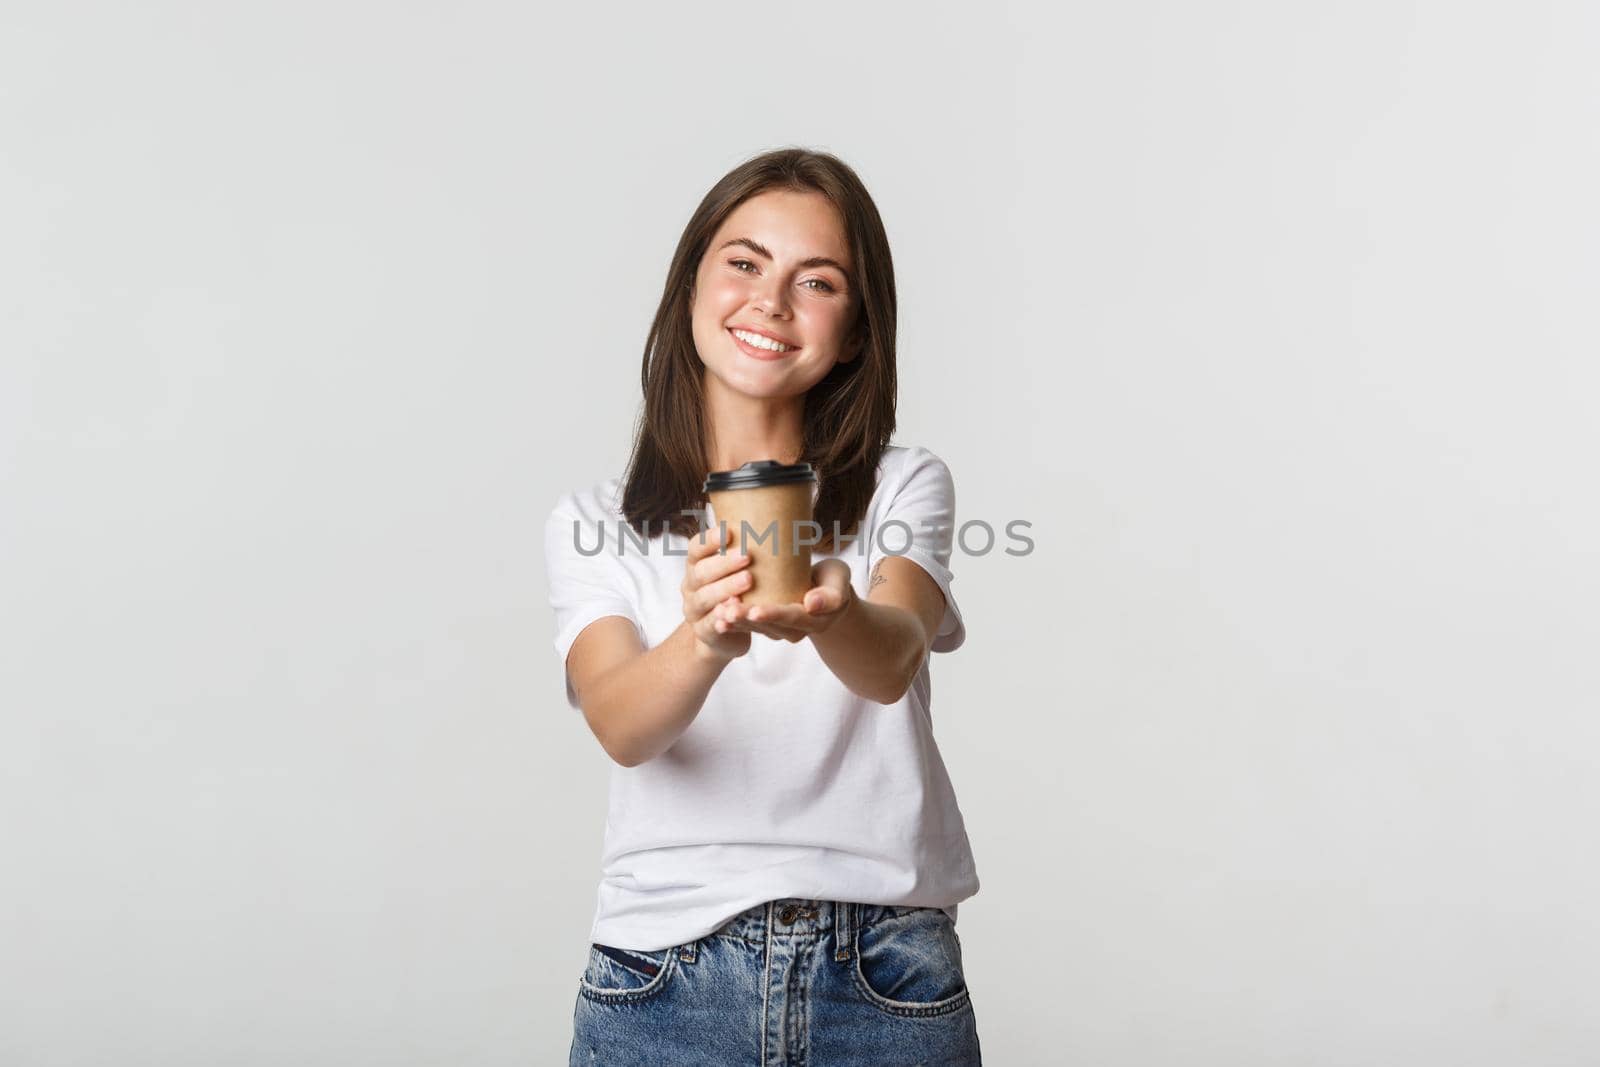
(831, 594)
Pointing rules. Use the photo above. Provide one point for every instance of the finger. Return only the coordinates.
(823, 600)
(785, 616)
(770, 620)
(784, 633)
(803, 617)
(708, 596)
(708, 541)
(834, 572)
(731, 617)
(714, 567)
(743, 623)
(720, 621)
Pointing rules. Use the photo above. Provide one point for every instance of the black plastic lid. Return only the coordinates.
(758, 473)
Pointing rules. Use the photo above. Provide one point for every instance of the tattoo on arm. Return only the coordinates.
(877, 577)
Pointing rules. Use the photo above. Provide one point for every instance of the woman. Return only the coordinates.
(784, 853)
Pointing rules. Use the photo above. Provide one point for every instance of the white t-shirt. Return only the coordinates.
(786, 784)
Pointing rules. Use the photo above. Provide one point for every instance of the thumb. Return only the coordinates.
(829, 596)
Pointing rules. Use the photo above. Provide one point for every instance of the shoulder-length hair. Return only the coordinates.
(849, 415)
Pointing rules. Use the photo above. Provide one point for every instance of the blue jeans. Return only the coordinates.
(791, 982)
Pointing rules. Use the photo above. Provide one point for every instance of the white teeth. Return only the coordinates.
(758, 341)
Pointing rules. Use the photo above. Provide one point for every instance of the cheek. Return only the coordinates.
(826, 324)
(715, 304)
(721, 294)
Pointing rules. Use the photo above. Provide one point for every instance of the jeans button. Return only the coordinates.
(787, 914)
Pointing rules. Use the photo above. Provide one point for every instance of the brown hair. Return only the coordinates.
(849, 415)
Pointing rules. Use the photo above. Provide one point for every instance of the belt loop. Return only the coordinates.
(844, 931)
(686, 953)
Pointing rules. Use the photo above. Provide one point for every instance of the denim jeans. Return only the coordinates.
(788, 983)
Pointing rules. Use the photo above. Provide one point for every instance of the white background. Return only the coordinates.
(1277, 322)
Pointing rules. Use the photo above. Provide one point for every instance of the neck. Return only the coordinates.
(743, 428)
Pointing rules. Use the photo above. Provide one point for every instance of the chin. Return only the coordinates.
(755, 386)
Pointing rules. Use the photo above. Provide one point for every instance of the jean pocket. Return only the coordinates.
(909, 963)
(619, 975)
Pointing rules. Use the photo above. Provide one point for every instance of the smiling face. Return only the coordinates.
(779, 265)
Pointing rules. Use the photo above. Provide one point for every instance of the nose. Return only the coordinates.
(771, 299)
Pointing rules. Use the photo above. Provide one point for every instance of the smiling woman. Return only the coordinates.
(784, 853)
(780, 275)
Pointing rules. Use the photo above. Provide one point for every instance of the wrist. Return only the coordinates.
(707, 656)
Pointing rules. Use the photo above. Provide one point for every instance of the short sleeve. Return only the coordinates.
(585, 574)
(919, 524)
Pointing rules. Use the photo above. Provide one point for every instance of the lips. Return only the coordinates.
(759, 353)
(768, 334)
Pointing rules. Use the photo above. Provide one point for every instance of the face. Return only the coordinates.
(765, 270)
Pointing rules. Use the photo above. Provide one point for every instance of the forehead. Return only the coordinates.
(793, 225)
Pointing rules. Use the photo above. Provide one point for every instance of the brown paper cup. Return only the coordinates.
(767, 508)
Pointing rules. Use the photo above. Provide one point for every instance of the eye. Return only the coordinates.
(740, 264)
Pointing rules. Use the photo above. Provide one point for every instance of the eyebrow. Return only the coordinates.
(814, 261)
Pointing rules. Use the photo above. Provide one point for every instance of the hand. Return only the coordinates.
(828, 599)
(713, 579)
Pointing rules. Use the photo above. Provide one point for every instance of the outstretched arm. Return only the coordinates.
(874, 646)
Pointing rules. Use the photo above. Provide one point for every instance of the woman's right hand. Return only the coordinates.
(710, 580)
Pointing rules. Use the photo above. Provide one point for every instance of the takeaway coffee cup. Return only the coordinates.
(767, 506)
